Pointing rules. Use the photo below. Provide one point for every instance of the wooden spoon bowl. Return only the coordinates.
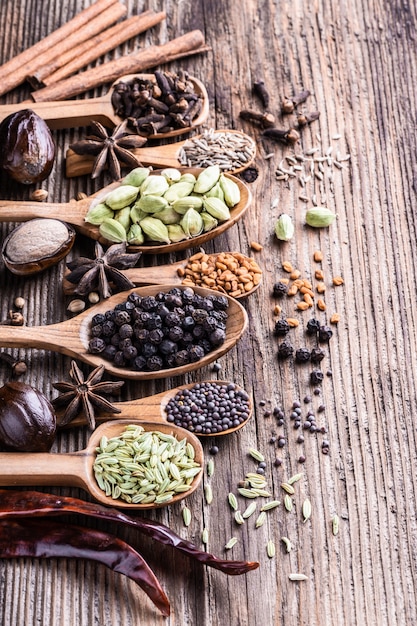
(72, 336)
(153, 409)
(76, 469)
(73, 113)
(75, 211)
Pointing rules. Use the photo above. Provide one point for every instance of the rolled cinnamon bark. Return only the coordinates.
(14, 72)
(187, 44)
(69, 63)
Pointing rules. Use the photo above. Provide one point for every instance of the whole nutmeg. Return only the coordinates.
(27, 149)
(27, 418)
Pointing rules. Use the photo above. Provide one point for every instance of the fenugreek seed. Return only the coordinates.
(287, 267)
(186, 515)
(335, 318)
(208, 493)
(210, 468)
(204, 536)
(308, 299)
(260, 519)
(303, 306)
(321, 305)
(296, 577)
(247, 493)
(258, 456)
(277, 309)
(287, 543)
(335, 524)
(321, 287)
(250, 510)
(319, 274)
(270, 505)
(306, 509)
(293, 290)
(294, 479)
(239, 519)
(256, 246)
(318, 256)
(288, 502)
(293, 322)
(270, 549)
(232, 542)
(232, 501)
(338, 280)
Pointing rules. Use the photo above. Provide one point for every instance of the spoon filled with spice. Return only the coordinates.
(123, 479)
(228, 272)
(125, 333)
(125, 196)
(131, 96)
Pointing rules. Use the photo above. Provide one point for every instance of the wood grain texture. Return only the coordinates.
(358, 60)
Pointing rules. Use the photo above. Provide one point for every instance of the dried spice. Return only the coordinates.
(97, 274)
(110, 150)
(85, 395)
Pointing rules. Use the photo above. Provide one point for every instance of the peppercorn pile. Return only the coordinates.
(150, 333)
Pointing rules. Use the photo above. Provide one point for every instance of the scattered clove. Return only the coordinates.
(15, 318)
(306, 118)
(290, 103)
(18, 367)
(266, 120)
(290, 136)
(259, 90)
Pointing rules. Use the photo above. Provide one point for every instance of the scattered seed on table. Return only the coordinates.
(260, 519)
(335, 524)
(294, 478)
(288, 502)
(210, 468)
(208, 493)
(306, 509)
(270, 549)
(288, 488)
(204, 536)
(250, 510)
(296, 577)
(232, 501)
(255, 454)
(239, 519)
(186, 516)
(270, 505)
(232, 542)
(287, 543)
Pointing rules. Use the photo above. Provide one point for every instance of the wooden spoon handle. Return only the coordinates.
(21, 211)
(43, 468)
(63, 114)
(59, 337)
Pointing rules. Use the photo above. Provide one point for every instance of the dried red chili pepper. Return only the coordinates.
(49, 539)
(16, 504)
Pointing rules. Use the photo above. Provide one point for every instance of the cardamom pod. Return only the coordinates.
(97, 214)
(151, 204)
(215, 192)
(135, 235)
(178, 190)
(207, 179)
(155, 229)
(189, 202)
(171, 174)
(136, 214)
(176, 233)
(112, 230)
(123, 217)
(168, 215)
(209, 222)
(320, 217)
(230, 189)
(121, 196)
(154, 185)
(217, 208)
(284, 228)
(136, 176)
(187, 178)
(192, 223)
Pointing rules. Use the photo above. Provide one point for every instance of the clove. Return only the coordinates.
(259, 89)
(18, 367)
(266, 120)
(15, 318)
(306, 118)
(290, 103)
(289, 137)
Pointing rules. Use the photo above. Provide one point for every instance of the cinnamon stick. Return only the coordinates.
(69, 63)
(14, 72)
(108, 72)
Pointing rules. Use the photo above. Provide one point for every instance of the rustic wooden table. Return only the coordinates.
(358, 59)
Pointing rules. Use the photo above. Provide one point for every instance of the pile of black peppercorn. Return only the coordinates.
(150, 333)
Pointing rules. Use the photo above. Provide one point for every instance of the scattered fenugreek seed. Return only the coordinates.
(287, 543)
(338, 280)
(270, 549)
(232, 542)
(297, 577)
(335, 524)
(335, 318)
(306, 509)
(232, 501)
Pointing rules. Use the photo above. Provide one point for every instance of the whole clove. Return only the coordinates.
(15, 318)
(289, 104)
(260, 90)
(18, 367)
(289, 137)
(266, 120)
(306, 118)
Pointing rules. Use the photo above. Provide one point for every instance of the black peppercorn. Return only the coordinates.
(316, 377)
(281, 328)
(285, 350)
(302, 355)
(313, 326)
(279, 290)
(325, 334)
(317, 355)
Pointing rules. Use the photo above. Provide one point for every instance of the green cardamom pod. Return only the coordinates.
(215, 192)
(284, 227)
(209, 222)
(187, 178)
(112, 230)
(207, 179)
(154, 185)
(320, 217)
(121, 196)
(123, 217)
(192, 223)
(190, 202)
(155, 229)
(136, 176)
(151, 204)
(171, 174)
(217, 208)
(136, 214)
(176, 233)
(135, 235)
(230, 189)
(178, 190)
(168, 215)
(97, 214)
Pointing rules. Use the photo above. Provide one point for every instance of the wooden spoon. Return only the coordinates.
(71, 337)
(72, 113)
(153, 409)
(158, 275)
(75, 469)
(74, 212)
(158, 156)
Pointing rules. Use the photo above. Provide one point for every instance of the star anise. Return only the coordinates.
(110, 150)
(85, 395)
(97, 274)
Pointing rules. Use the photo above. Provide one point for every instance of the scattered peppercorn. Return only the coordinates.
(285, 350)
(321, 408)
(302, 355)
(307, 399)
(316, 377)
(300, 439)
(313, 326)
(317, 355)
(325, 334)
(279, 290)
(278, 462)
(214, 450)
(301, 459)
(281, 328)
